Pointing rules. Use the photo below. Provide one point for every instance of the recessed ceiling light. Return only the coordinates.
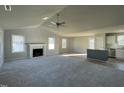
(45, 18)
(7, 7)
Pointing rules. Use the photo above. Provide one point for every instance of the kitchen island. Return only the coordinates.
(97, 54)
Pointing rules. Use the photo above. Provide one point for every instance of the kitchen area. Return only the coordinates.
(109, 50)
(115, 45)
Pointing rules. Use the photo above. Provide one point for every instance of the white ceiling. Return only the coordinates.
(26, 15)
(80, 20)
(84, 20)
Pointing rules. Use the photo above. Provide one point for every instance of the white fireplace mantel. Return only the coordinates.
(31, 46)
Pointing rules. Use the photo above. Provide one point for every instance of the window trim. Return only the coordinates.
(12, 44)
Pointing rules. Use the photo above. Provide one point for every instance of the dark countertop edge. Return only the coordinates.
(98, 49)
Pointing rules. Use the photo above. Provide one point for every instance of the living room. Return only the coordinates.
(52, 41)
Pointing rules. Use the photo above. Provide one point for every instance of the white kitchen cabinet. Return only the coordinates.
(120, 53)
(111, 39)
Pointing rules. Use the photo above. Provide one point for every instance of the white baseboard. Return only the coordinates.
(8, 60)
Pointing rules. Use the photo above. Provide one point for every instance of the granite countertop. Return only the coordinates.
(97, 49)
(120, 48)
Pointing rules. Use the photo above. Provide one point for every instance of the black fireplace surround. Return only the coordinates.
(38, 52)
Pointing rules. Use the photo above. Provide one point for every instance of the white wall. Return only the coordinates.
(1, 48)
(37, 35)
(79, 44)
(100, 41)
(32, 35)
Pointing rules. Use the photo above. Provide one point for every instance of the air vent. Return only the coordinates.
(7, 7)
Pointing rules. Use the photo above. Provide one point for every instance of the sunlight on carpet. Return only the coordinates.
(73, 54)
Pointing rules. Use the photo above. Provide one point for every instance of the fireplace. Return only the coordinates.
(38, 52)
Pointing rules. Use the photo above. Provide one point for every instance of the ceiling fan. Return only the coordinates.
(58, 23)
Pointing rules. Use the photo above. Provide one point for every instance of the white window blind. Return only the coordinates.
(18, 43)
(91, 43)
(51, 43)
(64, 43)
(120, 39)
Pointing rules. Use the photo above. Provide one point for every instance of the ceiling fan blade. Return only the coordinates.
(53, 23)
(63, 22)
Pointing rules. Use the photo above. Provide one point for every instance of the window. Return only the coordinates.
(64, 43)
(120, 39)
(51, 43)
(91, 43)
(17, 43)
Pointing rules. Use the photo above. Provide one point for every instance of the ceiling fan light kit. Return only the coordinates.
(7, 7)
(58, 23)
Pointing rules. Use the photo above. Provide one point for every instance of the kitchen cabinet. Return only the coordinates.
(111, 41)
(120, 53)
